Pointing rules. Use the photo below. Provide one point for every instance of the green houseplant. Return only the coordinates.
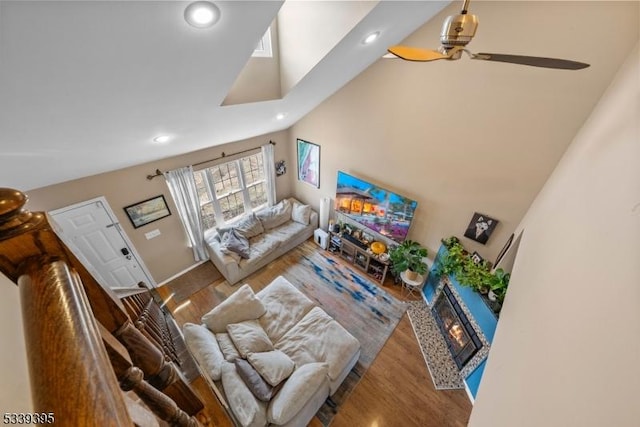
(498, 284)
(407, 256)
(477, 276)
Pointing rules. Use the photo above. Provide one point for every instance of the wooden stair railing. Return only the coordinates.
(69, 372)
(71, 376)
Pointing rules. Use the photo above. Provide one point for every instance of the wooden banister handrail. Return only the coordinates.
(61, 303)
(71, 375)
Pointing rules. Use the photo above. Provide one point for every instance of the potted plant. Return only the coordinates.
(498, 285)
(408, 256)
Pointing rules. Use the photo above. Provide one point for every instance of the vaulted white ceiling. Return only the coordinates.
(85, 86)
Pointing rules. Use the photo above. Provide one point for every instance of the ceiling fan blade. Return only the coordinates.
(535, 61)
(416, 54)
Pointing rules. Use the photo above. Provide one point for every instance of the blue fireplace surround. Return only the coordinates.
(482, 314)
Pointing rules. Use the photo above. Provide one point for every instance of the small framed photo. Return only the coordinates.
(480, 228)
(308, 163)
(476, 258)
(147, 211)
(281, 168)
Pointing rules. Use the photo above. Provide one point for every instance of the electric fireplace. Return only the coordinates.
(461, 338)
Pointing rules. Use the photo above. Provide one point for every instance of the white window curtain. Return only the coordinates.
(268, 160)
(182, 186)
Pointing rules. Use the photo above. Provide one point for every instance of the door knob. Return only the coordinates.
(124, 251)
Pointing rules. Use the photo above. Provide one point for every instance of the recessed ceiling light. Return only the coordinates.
(371, 38)
(280, 116)
(202, 14)
(161, 139)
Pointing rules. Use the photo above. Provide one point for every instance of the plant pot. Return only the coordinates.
(492, 296)
(411, 275)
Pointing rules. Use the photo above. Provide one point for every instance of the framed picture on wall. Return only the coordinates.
(308, 162)
(480, 228)
(146, 211)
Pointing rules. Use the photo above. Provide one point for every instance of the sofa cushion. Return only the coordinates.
(274, 366)
(284, 307)
(249, 337)
(249, 226)
(319, 338)
(301, 213)
(296, 391)
(227, 348)
(275, 215)
(235, 242)
(259, 246)
(286, 231)
(257, 385)
(240, 306)
(203, 345)
(249, 411)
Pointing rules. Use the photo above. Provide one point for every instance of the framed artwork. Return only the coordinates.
(476, 258)
(281, 168)
(504, 249)
(480, 228)
(147, 211)
(308, 163)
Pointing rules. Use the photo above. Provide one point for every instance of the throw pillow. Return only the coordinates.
(235, 241)
(256, 384)
(296, 391)
(204, 347)
(240, 306)
(249, 226)
(301, 213)
(249, 337)
(229, 351)
(248, 410)
(275, 215)
(274, 366)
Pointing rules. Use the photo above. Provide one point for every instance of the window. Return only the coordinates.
(228, 190)
(263, 49)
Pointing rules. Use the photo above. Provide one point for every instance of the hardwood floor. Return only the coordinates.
(395, 391)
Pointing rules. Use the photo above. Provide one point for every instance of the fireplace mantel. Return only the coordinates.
(481, 315)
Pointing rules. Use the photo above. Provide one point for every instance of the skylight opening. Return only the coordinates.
(263, 50)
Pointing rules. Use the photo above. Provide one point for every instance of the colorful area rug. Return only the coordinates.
(365, 309)
(443, 370)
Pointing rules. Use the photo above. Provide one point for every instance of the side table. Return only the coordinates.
(410, 285)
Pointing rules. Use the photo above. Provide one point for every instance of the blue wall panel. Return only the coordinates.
(482, 314)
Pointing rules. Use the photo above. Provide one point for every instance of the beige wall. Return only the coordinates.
(468, 136)
(167, 254)
(567, 346)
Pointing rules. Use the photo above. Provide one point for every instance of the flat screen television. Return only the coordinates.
(380, 210)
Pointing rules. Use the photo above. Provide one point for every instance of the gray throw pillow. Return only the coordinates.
(249, 226)
(235, 241)
(255, 383)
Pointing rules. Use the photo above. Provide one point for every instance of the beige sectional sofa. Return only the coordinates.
(270, 233)
(276, 355)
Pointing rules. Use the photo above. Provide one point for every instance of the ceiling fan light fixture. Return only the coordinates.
(201, 14)
(371, 38)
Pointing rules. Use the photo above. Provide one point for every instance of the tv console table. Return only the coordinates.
(356, 253)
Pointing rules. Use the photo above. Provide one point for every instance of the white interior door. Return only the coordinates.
(90, 229)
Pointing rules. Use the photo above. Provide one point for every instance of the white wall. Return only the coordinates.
(15, 390)
(308, 30)
(567, 348)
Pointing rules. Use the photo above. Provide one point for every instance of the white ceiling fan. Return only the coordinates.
(458, 31)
